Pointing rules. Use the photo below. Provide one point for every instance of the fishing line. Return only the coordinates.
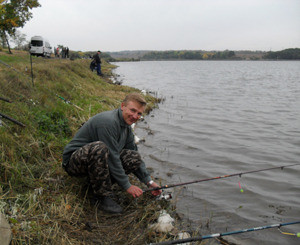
(200, 238)
(219, 177)
(288, 233)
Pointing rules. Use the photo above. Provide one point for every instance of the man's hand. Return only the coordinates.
(135, 191)
(156, 192)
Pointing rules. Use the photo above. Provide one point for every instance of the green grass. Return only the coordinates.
(42, 203)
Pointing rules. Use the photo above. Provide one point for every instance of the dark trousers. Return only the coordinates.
(91, 160)
(99, 69)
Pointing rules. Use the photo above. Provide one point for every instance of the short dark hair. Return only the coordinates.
(135, 97)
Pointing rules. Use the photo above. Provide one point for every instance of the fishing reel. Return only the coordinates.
(164, 196)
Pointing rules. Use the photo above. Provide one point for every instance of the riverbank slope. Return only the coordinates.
(41, 202)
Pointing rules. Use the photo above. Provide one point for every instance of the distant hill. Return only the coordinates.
(287, 54)
(144, 54)
(137, 55)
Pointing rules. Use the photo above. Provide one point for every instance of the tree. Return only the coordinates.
(14, 14)
(1, 14)
(19, 39)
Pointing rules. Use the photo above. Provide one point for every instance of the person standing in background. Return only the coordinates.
(98, 62)
(67, 52)
(57, 52)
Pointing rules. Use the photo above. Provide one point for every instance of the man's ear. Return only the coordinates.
(122, 105)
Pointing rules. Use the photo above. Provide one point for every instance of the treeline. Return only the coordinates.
(189, 55)
(89, 54)
(286, 54)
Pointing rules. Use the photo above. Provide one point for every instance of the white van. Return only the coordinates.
(40, 47)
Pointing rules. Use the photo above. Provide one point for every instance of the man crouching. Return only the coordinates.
(104, 150)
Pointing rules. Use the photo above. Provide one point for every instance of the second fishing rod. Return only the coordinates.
(219, 177)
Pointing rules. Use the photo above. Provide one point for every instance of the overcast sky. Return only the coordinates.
(116, 25)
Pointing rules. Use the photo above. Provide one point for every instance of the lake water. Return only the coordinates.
(225, 117)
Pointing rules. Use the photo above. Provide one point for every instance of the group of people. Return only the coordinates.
(105, 152)
(61, 52)
(96, 63)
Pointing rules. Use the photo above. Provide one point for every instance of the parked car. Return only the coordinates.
(40, 47)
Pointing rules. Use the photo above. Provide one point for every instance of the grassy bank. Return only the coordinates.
(42, 203)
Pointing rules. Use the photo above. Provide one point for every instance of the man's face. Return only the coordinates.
(132, 111)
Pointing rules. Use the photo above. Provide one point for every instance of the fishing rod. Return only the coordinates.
(13, 120)
(9, 66)
(2, 62)
(66, 101)
(4, 99)
(200, 238)
(219, 177)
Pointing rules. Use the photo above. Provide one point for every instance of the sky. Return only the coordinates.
(118, 25)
